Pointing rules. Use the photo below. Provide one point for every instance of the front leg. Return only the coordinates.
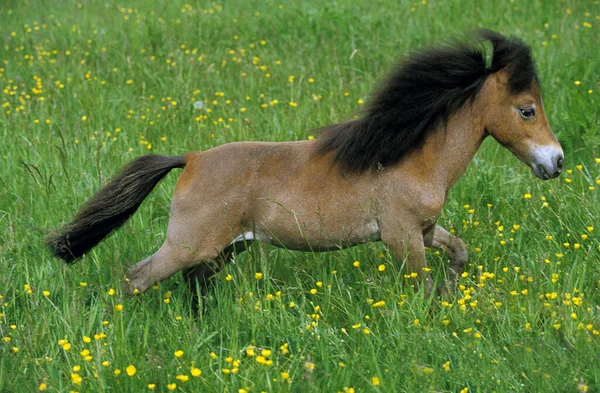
(408, 246)
(452, 245)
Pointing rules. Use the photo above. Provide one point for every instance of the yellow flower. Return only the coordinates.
(381, 268)
(375, 381)
(258, 275)
(151, 386)
(111, 292)
(527, 196)
(360, 101)
(213, 355)
(131, 370)
(446, 366)
(119, 307)
(172, 386)
(42, 387)
(196, 372)
(76, 379)
(183, 378)
(178, 353)
(117, 371)
(87, 340)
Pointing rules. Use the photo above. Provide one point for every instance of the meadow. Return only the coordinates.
(87, 86)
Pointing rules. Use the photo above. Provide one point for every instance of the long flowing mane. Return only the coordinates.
(425, 89)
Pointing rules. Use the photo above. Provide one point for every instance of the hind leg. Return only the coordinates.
(165, 262)
(199, 277)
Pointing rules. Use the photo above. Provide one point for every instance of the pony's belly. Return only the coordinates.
(318, 238)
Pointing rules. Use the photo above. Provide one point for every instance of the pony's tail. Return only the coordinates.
(112, 206)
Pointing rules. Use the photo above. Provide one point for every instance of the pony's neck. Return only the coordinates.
(450, 148)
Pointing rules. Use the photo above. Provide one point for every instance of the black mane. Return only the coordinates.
(426, 89)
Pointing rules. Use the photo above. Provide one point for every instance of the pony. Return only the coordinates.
(382, 177)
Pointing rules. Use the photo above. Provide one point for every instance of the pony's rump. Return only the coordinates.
(112, 206)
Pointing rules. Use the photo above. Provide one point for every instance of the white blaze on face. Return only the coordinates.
(546, 161)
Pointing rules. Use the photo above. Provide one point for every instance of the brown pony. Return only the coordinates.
(385, 176)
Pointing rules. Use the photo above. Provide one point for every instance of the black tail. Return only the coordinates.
(112, 206)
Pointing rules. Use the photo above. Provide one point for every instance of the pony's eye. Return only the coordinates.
(527, 113)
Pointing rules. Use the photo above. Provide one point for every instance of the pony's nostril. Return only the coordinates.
(559, 164)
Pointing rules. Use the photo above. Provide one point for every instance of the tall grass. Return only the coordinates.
(88, 86)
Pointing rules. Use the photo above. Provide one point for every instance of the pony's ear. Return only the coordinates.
(502, 77)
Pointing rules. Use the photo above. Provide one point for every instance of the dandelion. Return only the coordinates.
(46, 293)
(183, 378)
(527, 196)
(131, 370)
(151, 386)
(178, 353)
(172, 386)
(381, 268)
(375, 381)
(42, 387)
(196, 372)
(119, 307)
(446, 366)
(360, 101)
(76, 379)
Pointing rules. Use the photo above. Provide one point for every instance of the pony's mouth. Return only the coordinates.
(541, 172)
(547, 162)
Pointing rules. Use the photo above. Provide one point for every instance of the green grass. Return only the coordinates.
(526, 319)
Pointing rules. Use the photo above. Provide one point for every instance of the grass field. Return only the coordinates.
(86, 87)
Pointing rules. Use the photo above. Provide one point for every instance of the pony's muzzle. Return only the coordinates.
(547, 162)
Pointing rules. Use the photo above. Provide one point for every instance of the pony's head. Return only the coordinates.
(432, 85)
(515, 115)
